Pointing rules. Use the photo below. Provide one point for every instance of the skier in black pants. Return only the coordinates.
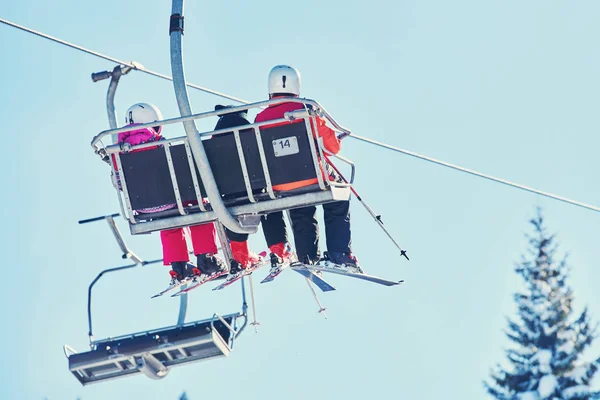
(284, 83)
(273, 224)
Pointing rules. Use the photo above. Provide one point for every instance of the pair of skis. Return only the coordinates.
(188, 284)
(311, 272)
(245, 272)
(314, 277)
(329, 267)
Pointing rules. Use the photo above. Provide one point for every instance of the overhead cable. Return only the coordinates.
(475, 173)
(141, 68)
(133, 65)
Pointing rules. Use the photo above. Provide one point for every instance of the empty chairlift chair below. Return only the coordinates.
(153, 353)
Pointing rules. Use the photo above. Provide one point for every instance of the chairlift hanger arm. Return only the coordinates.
(194, 141)
(89, 305)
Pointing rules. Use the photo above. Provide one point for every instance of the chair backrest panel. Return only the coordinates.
(288, 167)
(287, 152)
(222, 154)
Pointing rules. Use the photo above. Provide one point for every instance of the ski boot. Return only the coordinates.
(236, 267)
(193, 272)
(281, 253)
(308, 261)
(178, 271)
(343, 260)
(242, 255)
(211, 266)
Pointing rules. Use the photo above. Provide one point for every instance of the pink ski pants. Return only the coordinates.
(204, 240)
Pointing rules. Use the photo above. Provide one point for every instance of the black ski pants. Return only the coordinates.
(273, 226)
(306, 229)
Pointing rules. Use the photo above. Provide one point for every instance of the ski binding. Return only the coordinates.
(239, 275)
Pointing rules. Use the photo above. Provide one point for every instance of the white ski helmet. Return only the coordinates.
(284, 79)
(142, 113)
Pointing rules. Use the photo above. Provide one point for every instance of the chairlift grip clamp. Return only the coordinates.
(176, 23)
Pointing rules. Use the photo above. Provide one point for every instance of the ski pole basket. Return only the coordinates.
(248, 163)
(154, 352)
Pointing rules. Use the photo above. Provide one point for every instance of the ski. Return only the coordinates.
(313, 277)
(274, 272)
(239, 275)
(171, 287)
(327, 266)
(199, 282)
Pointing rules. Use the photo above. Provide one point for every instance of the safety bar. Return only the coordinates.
(212, 324)
(127, 147)
(350, 163)
(68, 350)
(316, 110)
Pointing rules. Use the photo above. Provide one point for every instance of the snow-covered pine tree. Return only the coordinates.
(546, 363)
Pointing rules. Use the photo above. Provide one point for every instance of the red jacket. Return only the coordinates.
(330, 140)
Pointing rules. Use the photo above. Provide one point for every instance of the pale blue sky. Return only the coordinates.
(505, 87)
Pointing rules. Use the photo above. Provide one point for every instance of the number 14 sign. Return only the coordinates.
(285, 146)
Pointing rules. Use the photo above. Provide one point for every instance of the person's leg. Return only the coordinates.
(204, 238)
(240, 250)
(274, 228)
(275, 232)
(306, 233)
(337, 226)
(175, 252)
(236, 237)
(204, 242)
(337, 230)
(174, 246)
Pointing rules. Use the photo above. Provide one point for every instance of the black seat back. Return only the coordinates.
(284, 167)
(287, 152)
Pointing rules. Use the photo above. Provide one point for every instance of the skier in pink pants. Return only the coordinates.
(175, 250)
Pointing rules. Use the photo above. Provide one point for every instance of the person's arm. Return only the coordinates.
(330, 140)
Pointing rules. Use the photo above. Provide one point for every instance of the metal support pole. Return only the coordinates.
(225, 248)
(114, 76)
(208, 179)
(244, 309)
(110, 99)
(183, 301)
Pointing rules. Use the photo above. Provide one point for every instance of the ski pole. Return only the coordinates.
(255, 323)
(375, 216)
(321, 308)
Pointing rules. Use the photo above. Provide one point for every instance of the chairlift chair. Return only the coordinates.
(153, 352)
(246, 163)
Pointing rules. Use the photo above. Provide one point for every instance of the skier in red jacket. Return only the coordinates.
(284, 82)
